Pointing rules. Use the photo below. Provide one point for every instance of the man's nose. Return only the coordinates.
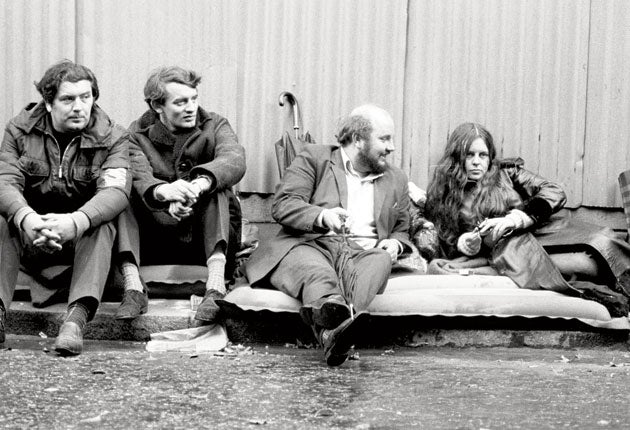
(191, 106)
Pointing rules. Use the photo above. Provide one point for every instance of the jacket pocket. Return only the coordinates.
(35, 171)
(85, 174)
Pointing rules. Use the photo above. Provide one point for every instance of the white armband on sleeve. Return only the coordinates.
(115, 177)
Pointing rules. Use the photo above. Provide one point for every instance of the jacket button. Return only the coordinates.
(185, 165)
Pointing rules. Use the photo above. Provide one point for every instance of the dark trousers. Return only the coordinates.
(89, 256)
(155, 238)
(308, 272)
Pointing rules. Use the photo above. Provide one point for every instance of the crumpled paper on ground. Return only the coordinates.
(207, 338)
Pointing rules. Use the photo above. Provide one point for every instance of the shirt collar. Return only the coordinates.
(350, 170)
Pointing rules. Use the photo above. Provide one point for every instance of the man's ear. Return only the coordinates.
(357, 141)
(48, 106)
(156, 106)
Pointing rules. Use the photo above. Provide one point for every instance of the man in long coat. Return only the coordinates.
(185, 161)
(344, 216)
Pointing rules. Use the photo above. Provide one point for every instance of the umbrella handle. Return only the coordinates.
(295, 109)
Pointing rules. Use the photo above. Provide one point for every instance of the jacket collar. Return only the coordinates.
(149, 125)
(35, 117)
(380, 183)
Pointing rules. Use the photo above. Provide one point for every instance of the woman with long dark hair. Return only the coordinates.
(471, 194)
(489, 212)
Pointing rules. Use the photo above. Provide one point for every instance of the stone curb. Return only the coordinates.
(279, 328)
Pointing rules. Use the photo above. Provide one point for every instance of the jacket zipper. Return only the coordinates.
(60, 171)
(63, 155)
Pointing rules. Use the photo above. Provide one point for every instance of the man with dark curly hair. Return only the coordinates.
(63, 179)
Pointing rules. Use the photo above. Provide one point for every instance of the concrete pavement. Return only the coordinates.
(122, 386)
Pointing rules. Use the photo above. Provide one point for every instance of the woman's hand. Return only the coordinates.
(469, 243)
(494, 229)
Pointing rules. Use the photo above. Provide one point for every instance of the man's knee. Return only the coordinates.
(104, 233)
(378, 258)
(107, 228)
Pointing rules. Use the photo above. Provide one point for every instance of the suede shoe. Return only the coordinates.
(133, 304)
(208, 310)
(70, 339)
(327, 312)
(338, 341)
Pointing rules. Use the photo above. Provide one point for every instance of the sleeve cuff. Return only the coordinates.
(21, 214)
(204, 182)
(212, 181)
(81, 222)
(318, 221)
(538, 209)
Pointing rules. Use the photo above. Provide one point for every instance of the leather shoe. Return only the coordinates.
(327, 312)
(70, 339)
(208, 309)
(338, 341)
(133, 304)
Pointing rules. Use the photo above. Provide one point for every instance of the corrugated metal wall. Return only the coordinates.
(549, 79)
(517, 67)
(607, 142)
(332, 55)
(123, 41)
(33, 35)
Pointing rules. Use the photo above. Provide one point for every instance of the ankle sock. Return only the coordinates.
(78, 313)
(131, 277)
(216, 269)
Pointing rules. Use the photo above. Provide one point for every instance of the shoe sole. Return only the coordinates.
(131, 317)
(67, 352)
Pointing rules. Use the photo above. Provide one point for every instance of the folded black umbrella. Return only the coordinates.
(291, 144)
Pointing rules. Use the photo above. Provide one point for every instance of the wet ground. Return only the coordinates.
(120, 385)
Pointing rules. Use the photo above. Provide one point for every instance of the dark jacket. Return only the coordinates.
(540, 198)
(316, 180)
(91, 176)
(212, 150)
(523, 256)
(537, 197)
